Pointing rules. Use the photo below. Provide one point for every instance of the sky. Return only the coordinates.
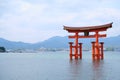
(33, 21)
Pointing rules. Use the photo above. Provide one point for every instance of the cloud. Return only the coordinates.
(26, 20)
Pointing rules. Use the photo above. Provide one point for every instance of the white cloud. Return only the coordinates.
(26, 21)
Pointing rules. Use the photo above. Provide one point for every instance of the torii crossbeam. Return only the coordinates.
(97, 47)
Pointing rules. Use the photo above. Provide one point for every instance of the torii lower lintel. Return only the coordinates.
(90, 36)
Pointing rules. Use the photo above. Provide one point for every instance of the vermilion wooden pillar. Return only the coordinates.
(71, 50)
(78, 54)
(102, 55)
(93, 50)
(76, 45)
(80, 50)
(97, 53)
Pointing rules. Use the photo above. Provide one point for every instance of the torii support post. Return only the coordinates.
(78, 54)
(93, 50)
(102, 54)
(80, 50)
(71, 50)
(76, 45)
(97, 54)
(97, 49)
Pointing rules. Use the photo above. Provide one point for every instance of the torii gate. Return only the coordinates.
(97, 48)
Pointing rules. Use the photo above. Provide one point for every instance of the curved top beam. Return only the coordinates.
(88, 28)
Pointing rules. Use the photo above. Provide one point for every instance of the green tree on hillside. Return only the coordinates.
(2, 49)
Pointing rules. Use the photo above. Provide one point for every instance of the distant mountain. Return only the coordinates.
(62, 42)
(13, 45)
(112, 41)
(54, 42)
(58, 42)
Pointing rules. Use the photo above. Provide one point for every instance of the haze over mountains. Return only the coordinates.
(58, 42)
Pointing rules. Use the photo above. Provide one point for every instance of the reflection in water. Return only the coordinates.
(98, 71)
(75, 66)
(86, 70)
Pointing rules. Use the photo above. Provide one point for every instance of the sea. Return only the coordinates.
(58, 66)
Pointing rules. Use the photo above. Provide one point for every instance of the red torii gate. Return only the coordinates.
(97, 48)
